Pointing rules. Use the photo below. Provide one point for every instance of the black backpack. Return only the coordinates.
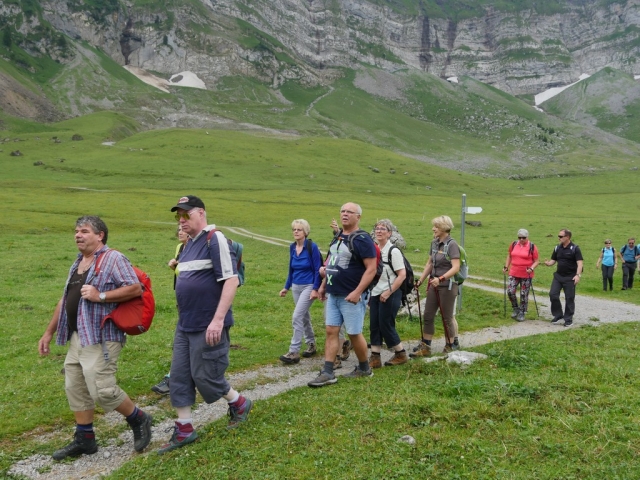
(349, 243)
(409, 281)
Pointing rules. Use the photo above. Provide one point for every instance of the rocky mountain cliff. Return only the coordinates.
(518, 51)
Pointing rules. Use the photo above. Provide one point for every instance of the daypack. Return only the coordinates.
(531, 247)
(237, 249)
(349, 243)
(408, 284)
(626, 247)
(134, 316)
(463, 273)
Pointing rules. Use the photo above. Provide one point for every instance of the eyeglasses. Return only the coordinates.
(350, 212)
(297, 230)
(185, 215)
(382, 229)
(522, 238)
(561, 236)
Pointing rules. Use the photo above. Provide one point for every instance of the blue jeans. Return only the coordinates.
(340, 311)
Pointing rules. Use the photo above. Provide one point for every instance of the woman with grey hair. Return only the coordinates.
(304, 280)
(386, 298)
(522, 260)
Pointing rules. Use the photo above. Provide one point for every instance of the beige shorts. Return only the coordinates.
(89, 380)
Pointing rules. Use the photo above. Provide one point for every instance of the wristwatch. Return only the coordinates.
(103, 297)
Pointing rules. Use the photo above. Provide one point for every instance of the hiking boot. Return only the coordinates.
(323, 379)
(178, 439)
(568, 323)
(337, 363)
(422, 350)
(357, 373)
(237, 415)
(417, 347)
(448, 348)
(520, 317)
(557, 321)
(346, 350)
(398, 359)
(162, 388)
(515, 312)
(310, 351)
(141, 427)
(375, 361)
(83, 442)
(290, 358)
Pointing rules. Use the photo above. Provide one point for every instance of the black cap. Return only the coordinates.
(188, 202)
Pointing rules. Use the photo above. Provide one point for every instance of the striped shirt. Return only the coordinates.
(115, 272)
(203, 270)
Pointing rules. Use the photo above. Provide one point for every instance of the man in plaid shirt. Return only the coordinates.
(91, 362)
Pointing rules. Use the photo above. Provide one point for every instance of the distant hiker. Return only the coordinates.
(351, 267)
(92, 359)
(162, 387)
(442, 289)
(521, 261)
(609, 264)
(566, 277)
(303, 280)
(386, 298)
(629, 255)
(205, 289)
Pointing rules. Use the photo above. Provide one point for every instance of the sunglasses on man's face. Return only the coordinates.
(184, 215)
(522, 238)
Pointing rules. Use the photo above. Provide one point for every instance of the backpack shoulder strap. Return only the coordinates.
(512, 246)
(532, 246)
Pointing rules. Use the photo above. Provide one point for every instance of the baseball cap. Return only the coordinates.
(188, 202)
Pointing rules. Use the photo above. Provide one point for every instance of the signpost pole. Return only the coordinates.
(464, 211)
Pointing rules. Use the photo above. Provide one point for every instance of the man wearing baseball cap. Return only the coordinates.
(205, 290)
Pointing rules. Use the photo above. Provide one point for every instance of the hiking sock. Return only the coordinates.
(328, 367)
(84, 428)
(375, 353)
(134, 414)
(239, 404)
(364, 366)
(399, 351)
(428, 342)
(185, 428)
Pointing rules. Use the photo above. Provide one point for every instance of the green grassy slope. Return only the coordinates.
(255, 182)
(610, 100)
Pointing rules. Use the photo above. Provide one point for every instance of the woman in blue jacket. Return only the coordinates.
(304, 280)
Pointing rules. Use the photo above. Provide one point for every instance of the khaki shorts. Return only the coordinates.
(89, 380)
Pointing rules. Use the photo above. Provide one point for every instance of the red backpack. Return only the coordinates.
(134, 316)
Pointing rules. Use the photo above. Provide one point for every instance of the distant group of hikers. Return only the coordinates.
(357, 273)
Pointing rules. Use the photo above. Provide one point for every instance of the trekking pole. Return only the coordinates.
(534, 296)
(419, 310)
(505, 294)
(444, 324)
